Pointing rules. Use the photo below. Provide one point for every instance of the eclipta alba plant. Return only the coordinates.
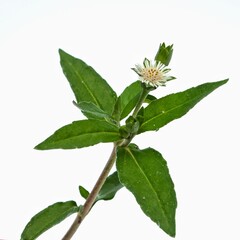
(118, 119)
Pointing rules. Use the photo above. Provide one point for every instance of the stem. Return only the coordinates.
(141, 100)
(102, 178)
(92, 196)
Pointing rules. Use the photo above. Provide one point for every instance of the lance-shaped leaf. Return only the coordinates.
(110, 187)
(91, 111)
(86, 83)
(80, 134)
(127, 100)
(164, 110)
(83, 192)
(108, 190)
(145, 174)
(47, 218)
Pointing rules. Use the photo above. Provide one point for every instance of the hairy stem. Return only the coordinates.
(141, 100)
(92, 196)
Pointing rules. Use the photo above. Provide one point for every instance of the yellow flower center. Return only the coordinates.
(152, 74)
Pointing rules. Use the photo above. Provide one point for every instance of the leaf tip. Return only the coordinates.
(222, 82)
(173, 233)
(36, 147)
(225, 80)
(60, 51)
(40, 146)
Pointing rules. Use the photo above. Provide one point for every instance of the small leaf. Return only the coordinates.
(127, 100)
(109, 188)
(87, 84)
(132, 125)
(91, 111)
(164, 110)
(124, 132)
(164, 54)
(47, 218)
(145, 174)
(150, 98)
(80, 134)
(83, 192)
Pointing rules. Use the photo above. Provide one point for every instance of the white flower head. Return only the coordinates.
(153, 73)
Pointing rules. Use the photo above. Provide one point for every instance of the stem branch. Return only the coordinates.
(92, 196)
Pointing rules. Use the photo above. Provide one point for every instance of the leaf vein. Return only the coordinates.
(159, 200)
(171, 109)
(95, 133)
(85, 85)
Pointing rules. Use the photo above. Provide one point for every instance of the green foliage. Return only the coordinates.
(92, 111)
(48, 218)
(108, 190)
(164, 110)
(142, 172)
(132, 125)
(145, 174)
(83, 192)
(149, 98)
(81, 134)
(86, 83)
(127, 100)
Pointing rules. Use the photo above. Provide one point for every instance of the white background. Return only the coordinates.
(202, 148)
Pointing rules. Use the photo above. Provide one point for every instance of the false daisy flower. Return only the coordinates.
(153, 74)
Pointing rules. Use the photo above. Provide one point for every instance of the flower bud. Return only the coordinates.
(164, 54)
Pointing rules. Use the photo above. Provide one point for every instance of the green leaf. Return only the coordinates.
(149, 98)
(92, 111)
(47, 218)
(110, 187)
(127, 100)
(80, 134)
(87, 84)
(132, 125)
(164, 110)
(145, 174)
(83, 192)
(164, 54)
(108, 190)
